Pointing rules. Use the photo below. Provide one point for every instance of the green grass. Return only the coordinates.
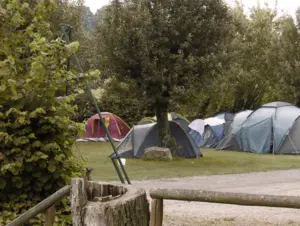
(213, 162)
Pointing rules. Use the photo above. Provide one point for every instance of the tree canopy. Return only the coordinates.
(161, 45)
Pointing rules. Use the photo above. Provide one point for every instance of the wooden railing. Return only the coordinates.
(46, 206)
(158, 195)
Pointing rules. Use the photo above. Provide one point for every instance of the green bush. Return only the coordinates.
(36, 132)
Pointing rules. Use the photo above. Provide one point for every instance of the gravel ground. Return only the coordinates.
(178, 213)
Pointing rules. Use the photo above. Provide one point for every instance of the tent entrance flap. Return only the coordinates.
(291, 143)
(256, 137)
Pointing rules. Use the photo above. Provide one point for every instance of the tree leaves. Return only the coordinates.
(2, 183)
(258, 65)
(36, 132)
(51, 167)
(153, 45)
(72, 47)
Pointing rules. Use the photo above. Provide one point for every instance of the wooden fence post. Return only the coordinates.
(50, 216)
(157, 212)
(78, 199)
(88, 174)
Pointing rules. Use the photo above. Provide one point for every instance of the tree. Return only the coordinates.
(246, 79)
(161, 45)
(286, 61)
(80, 18)
(123, 99)
(89, 19)
(36, 132)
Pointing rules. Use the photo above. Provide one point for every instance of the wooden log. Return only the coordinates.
(50, 216)
(78, 200)
(103, 199)
(41, 207)
(94, 189)
(131, 209)
(227, 198)
(156, 217)
(128, 206)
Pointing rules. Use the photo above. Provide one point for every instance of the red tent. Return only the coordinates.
(116, 126)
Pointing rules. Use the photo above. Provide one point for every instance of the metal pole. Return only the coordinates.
(67, 27)
(68, 60)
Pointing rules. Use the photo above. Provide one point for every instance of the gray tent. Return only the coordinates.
(184, 123)
(229, 141)
(214, 133)
(272, 128)
(141, 137)
(209, 137)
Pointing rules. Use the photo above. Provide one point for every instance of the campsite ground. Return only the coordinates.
(218, 171)
(178, 213)
(213, 163)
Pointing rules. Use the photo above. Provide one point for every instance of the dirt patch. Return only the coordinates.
(178, 213)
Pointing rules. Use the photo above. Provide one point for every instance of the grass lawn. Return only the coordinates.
(213, 162)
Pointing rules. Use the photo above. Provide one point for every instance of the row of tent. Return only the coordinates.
(272, 128)
(141, 136)
(118, 128)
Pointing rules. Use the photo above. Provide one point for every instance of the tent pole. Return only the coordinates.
(68, 27)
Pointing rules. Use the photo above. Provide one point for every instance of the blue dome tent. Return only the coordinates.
(209, 132)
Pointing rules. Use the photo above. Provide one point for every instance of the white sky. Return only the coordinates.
(286, 6)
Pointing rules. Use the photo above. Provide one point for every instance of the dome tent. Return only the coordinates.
(272, 128)
(228, 117)
(213, 132)
(115, 125)
(229, 141)
(144, 136)
(210, 131)
(196, 129)
(183, 122)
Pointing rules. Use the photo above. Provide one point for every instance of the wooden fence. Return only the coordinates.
(158, 195)
(46, 206)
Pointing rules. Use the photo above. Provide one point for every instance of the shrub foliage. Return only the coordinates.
(36, 132)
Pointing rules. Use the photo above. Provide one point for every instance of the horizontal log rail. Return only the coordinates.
(216, 197)
(47, 206)
(41, 207)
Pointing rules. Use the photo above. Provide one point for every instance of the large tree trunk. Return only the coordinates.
(161, 107)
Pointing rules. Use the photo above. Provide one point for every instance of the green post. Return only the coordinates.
(65, 28)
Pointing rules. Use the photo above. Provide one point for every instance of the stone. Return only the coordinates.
(158, 153)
